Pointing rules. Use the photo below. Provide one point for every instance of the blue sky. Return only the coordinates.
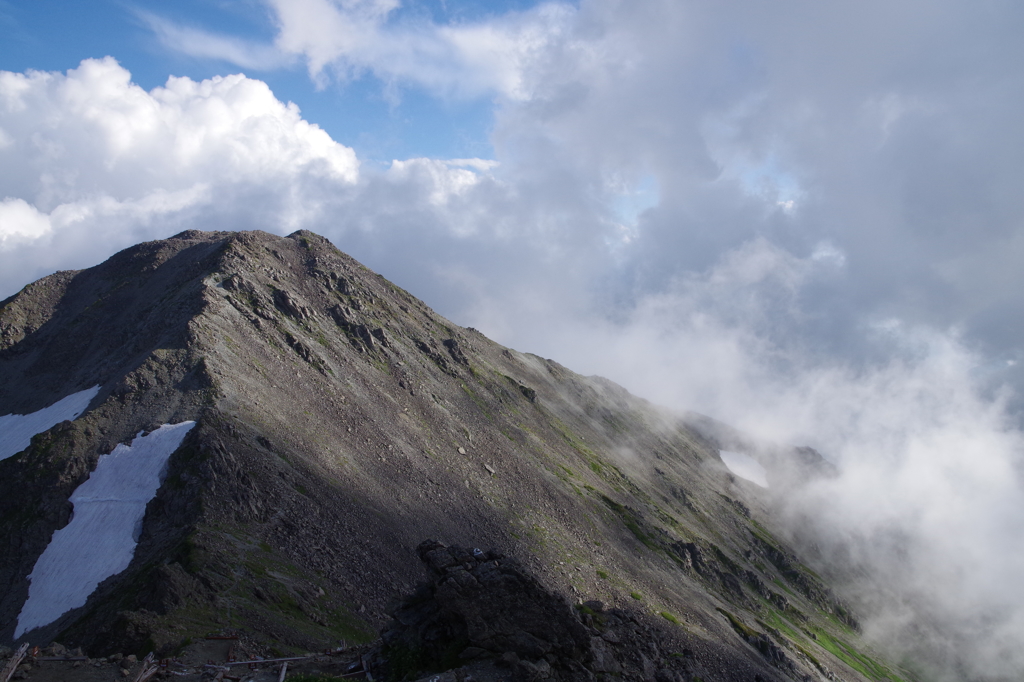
(54, 35)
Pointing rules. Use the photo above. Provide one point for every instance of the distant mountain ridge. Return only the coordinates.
(339, 422)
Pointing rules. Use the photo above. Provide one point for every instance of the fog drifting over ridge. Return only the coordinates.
(803, 220)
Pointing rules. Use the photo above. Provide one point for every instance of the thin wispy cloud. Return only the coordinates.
(344, 40)
(205, 44)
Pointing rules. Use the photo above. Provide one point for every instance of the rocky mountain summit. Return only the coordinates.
(328, 422)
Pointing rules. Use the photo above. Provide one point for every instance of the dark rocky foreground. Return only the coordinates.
(482, 616)
(339, 421)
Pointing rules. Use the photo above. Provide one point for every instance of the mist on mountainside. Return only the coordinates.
(923, 528)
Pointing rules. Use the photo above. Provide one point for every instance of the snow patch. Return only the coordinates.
(16, 430)
(745, 467)
(100, 540)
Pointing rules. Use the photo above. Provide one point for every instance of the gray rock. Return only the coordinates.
(666, 675)
(287, 304)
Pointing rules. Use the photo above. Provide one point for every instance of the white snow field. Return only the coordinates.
(745, 466)
(100, 540)
(16, 430)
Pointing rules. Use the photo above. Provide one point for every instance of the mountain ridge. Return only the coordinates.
(339, 422)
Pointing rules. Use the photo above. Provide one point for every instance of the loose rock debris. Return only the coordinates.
(186, 668)
(483, 617)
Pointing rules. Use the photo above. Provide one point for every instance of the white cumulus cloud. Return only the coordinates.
(93, 161)
(21, 222)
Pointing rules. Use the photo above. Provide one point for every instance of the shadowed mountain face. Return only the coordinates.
(339, 423)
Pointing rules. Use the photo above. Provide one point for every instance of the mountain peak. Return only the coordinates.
(338, 421)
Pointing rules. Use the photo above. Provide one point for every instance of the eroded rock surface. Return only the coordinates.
(485, 616)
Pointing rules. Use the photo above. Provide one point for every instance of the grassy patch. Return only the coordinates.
(762, 533)
(637, 596)
(777, 622)
(572, 439)
(343, 622)
(478, 401)
(266, 585)
(669, 617)
(537, 534)
(851, 657)
(738, 625)
(784, 586)
(631, 521)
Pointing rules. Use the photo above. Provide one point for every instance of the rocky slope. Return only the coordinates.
(339, 422)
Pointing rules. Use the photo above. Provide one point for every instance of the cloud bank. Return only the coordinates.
(801, 219)
(91, 163)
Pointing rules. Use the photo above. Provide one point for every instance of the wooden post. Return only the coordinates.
(148, 669)
(13, 664)
(284, 671)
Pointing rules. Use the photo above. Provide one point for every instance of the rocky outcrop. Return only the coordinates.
(484, 615)
(482, 604)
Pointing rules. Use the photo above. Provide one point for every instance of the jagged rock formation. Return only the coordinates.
(338, 422)
(484, 603)
(485, 616)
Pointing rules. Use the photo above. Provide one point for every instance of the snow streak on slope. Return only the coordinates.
(16, 430)
(100, 540)
(745, 466)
